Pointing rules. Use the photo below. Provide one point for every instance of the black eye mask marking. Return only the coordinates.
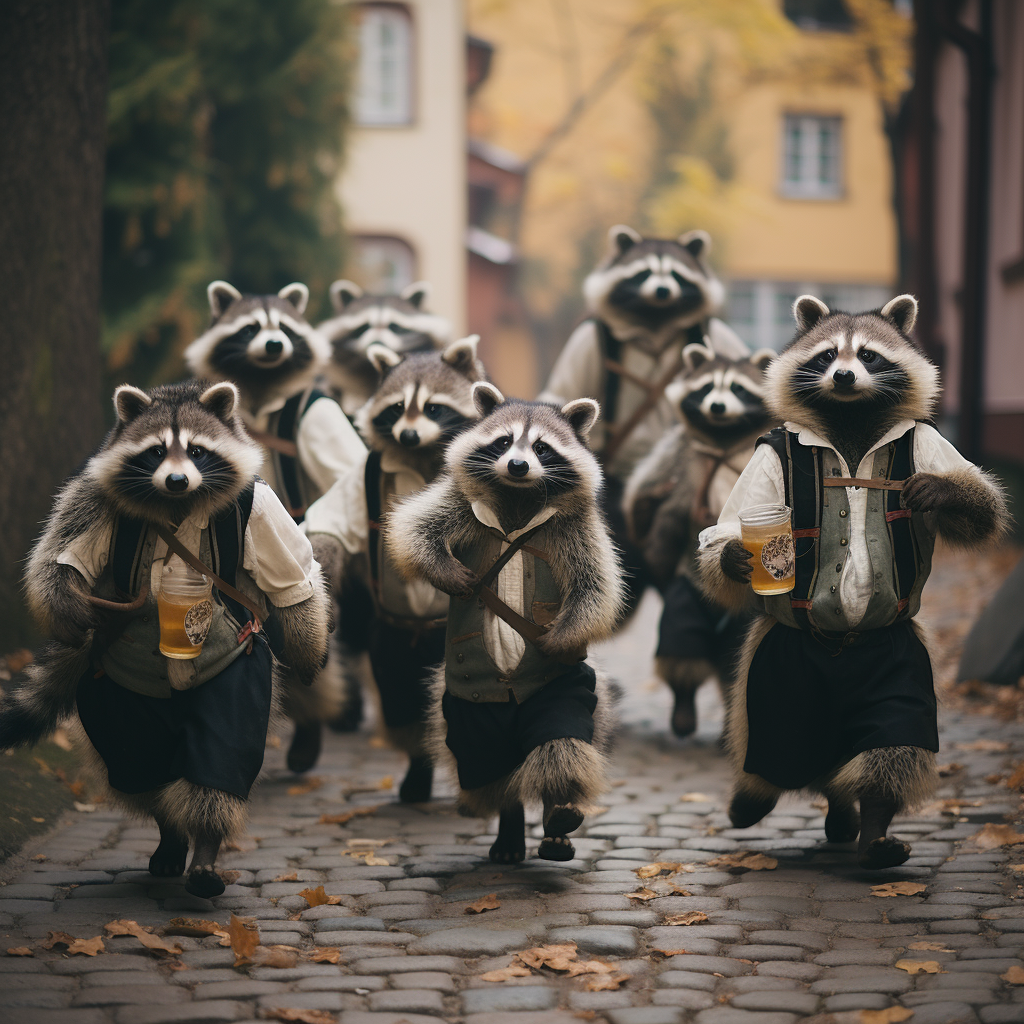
(626, 298)
(384, 421)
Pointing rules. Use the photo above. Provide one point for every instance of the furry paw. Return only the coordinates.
(203, 881)
(684, 713)
(746, 809)
(735, 562)
(458, 580)
(556, 644)
(418, 781)
(842, 823)
(562, 819)
(504, 851)
(927, 492)
(556, 848)
(885, 852)
(305, 747)
(168, 860)
(331, 556)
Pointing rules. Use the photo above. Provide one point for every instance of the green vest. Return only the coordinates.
(899, 544)
(470, 673)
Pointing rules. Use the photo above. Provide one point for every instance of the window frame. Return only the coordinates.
(356, 238)
(804, 189)
(411, 69)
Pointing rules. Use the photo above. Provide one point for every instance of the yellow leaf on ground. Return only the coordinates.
(507, 973)
(690, 917)
(143, 934)
(993, 835)
(898, 889)
(20, 951)
(88, 947)
(301, 1016)
(346, 816)
(1015, 975)
(891, 1015)
(662, 867)
(314, 897)
(194, 927)
(1016, 780)
(578, 967)
(745, 861)
(644, 894)
(986, 746)
(920, 966)
(932, 947)
(57, 939)
(243, 937)
(488, 902)
(292, 876)
(229, 876)
(306, 786)
(325, 955)
(120, 927)
(605, 982)
(556, 956)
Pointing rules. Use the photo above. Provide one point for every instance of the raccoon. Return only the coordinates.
(263, 345)
(646, 302)
(163, 742)
(679, 490)
(834, 685)
(423, 400)
(400, 322)
(517, 711)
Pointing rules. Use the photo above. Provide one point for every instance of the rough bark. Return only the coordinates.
(53, 72)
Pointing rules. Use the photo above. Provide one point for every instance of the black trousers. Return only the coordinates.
(403, 661)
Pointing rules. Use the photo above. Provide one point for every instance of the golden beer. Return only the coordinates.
(768, 536)
(185, 608)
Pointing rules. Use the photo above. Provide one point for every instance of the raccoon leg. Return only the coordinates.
(168, 860)
(418, 781)
(510, 846)
(684, 676)
(304, 750)
(842, 822)
(351, 715)
(752, 799)
(202, 879)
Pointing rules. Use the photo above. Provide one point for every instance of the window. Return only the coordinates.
(811, 157)
(819, 15)
(384, 94)
(383, 265)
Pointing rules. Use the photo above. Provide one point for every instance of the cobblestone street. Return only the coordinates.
(805, 939)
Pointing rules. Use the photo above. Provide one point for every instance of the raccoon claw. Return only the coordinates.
(735, 562)
(556, 848)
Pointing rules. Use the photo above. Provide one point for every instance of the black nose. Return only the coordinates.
(844, 378)
(177, 482)
(409, 438)
(661, 293)
(517, 467)
(718, 408)
(274, 347)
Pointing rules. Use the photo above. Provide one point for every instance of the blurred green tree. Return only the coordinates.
(226, 122)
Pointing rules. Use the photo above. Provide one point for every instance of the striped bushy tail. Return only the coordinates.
(45, 698)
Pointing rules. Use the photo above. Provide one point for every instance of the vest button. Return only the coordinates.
(460, 658)
(833, 588)
(839, 611)
(839, 567)
(145, 618)
(843, 542)
(476, 696)
(842, 513)
(465, 675)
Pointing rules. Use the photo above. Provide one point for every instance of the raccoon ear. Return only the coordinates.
(622, 238)
(416, 293)
(221, 400)
(129, 401)
(221, 295)
(901, 312)
(297, 294)
(344, 293)
(696, 355)
(582, 414)
(383, 358)
(697, 243)
(807, 311)
(762, 357)
(486, 397)
(461, 354)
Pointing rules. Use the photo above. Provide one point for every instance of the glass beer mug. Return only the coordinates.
(185, 607)
(768, 535)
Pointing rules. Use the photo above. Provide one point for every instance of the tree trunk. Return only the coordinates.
(53, 78)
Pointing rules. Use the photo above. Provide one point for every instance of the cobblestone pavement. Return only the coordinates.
(805, 941)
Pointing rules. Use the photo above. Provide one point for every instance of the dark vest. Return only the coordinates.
(469, 671)
(898, 542)
(299, 490)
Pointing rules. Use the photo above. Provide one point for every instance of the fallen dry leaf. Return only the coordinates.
(194, 927)
(986, 746)
(690, 917)
(386, 783)
(243, 938)
(507, 973)
(605, 982)
(920, 966)
(292, 876)
(898, 889)
(994, 778)
(1015, 975)
(993, 835)
(274, 956)
(1016, 780)
(88, 947)
(306, 786)
(644, 894)
(669, 952)
(694, 798)
(20, 951)
(933, 947)
(346, 816)
(488, 902)
(891, 1015)
(229, 876)
(1016, 867)
(368, 857)
(325, 955)
(301, 1016)
(143, 934)
(661, 867)
(745, 861)
(557, 956)
(57, 939)
(315, 897)
(39, 857)
(951, 768)
(578, 967)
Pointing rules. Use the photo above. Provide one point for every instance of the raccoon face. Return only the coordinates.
(654, 283)
(529, 445)
(864, 359)
(423, 399)
(258, 341)
(176, 449)
(720, 396)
